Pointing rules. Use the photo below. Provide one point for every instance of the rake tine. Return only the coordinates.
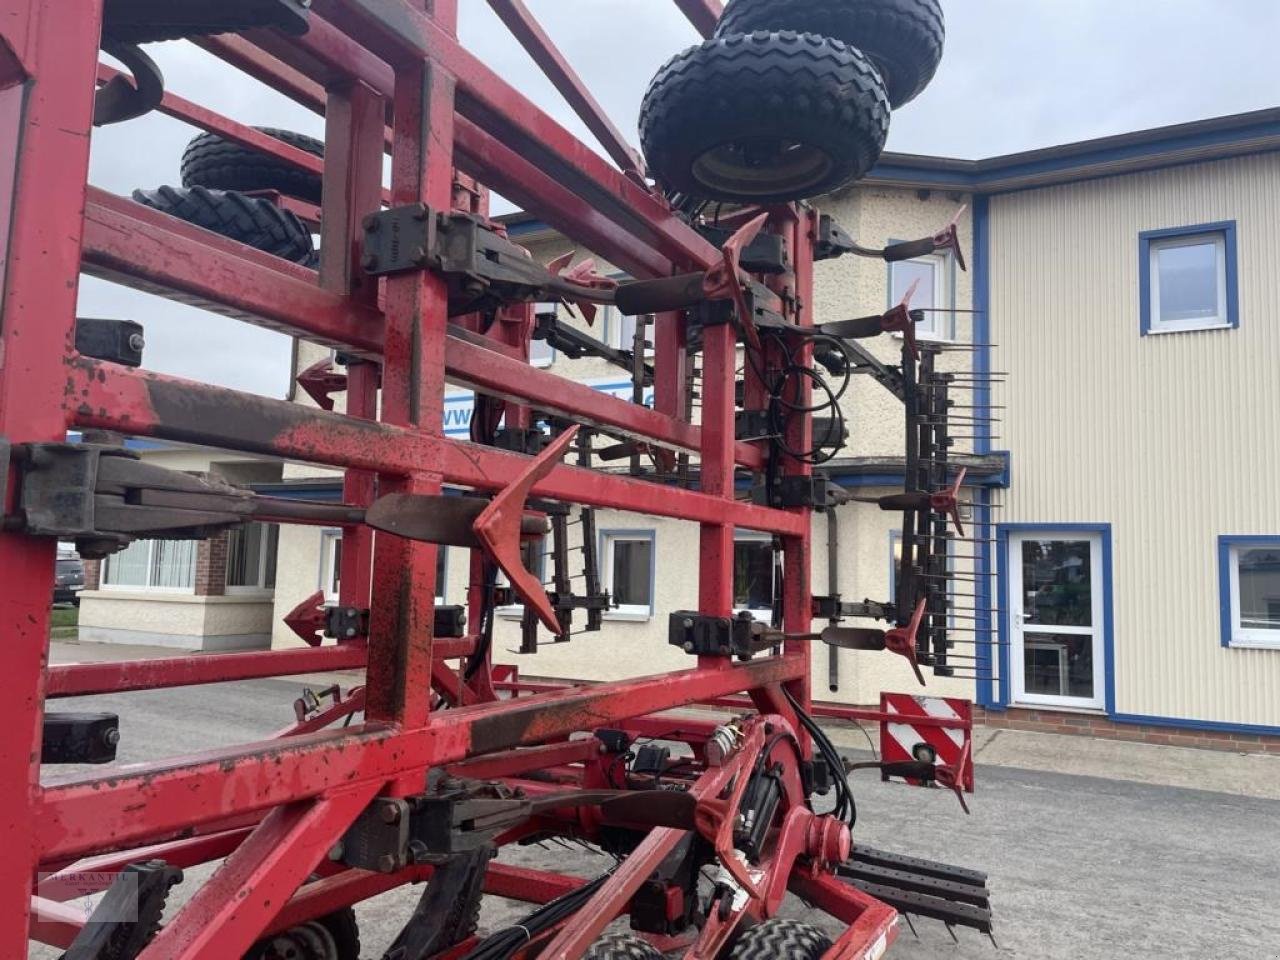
(915, 933)
(951, 930)
(991, 934)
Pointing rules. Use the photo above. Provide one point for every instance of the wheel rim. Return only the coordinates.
(311, 941)
(762, 167)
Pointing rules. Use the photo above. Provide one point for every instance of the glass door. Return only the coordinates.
(1056, 619)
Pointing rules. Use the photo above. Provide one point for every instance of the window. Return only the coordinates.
(541, 353)
(534, 555)
(627, 562)
(331, 567)
(620, 331)
(933, 275)
(1188, 279)
(251, 558)
(1249, 574)
(753, 576)
(153, 565)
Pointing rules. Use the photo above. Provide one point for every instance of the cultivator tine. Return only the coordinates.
(914, 932)
(952, 895)
(498, 529)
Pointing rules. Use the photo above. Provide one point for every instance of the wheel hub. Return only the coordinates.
(310, 941)
(762, 167)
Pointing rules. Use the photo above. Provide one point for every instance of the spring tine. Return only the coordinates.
(907, 917)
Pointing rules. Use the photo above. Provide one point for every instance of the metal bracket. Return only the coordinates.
(116, 341)
(707, 636)
(484, 269)
(399, 239)
(80, 738)
(104, 498)
(459, 816)
(817, 492)
(528, 441)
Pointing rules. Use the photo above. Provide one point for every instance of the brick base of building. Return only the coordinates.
(1088, 725)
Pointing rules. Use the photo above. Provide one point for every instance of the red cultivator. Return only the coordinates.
(711, 824)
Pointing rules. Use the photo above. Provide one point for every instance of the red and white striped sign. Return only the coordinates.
(946, 731)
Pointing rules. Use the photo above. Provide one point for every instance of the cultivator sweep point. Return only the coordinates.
(441, 757)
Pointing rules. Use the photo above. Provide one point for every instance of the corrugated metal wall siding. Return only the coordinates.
(1172, 439)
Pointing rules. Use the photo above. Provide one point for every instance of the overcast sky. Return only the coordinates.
(1017, 74)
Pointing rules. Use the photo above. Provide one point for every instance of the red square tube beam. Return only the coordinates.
(154, 802)
(83, 679)
(128, 243)
(134, 245)
(110, 397)
(48, 60)
(298, 67)
(703, 14)
(526, 29)
(397, 32)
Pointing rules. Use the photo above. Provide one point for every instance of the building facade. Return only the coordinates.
(1125, 575)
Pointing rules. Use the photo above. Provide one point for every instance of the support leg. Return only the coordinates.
(48, 62)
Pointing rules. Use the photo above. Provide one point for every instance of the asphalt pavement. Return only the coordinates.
(1080, 866)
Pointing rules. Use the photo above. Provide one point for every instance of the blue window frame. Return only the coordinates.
(1249, 591)
(1189, 278)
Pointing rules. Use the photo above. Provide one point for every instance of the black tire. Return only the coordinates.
(781, 940)
(621, 946)
(147, 21)
(903, 38)
(331, 937)
(253, 221)
(344, 929)
(764, 118)
(210, 161)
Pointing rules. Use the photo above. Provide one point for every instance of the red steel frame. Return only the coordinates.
(273, 808)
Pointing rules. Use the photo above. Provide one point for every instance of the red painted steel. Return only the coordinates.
(534, 39)
(703, 14)
(386, 74)
(47, 68)
(84, 679)
(146, 404)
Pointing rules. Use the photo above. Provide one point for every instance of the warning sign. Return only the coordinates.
(937, 730)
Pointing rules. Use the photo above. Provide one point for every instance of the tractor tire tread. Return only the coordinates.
(903, 38)
(253, 221)
(807, 81)
(621, 946)
(780, 939)
(216, 163)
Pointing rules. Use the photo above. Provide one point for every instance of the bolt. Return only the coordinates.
(371, 223)
(688, 646)
(136, 343)
(421, 213)
(111, 736)
(388, 863)
(336, 851)
(687, 622)
(420, 256)
(350, 632)
(390, 812)
(370, 261)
